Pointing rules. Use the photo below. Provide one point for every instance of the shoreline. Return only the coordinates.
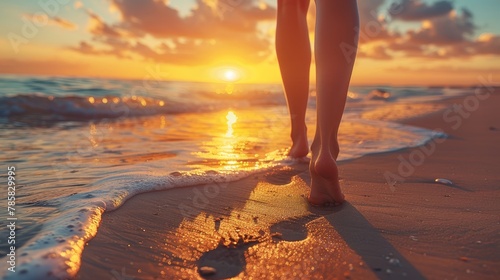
(414, 228)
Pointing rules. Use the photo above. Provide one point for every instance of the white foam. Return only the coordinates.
(392, 137)
(55, 252)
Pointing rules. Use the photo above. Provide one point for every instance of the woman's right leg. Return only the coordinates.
(294, 56)
(336, 25)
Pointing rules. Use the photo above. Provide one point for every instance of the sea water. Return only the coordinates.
(83, 146)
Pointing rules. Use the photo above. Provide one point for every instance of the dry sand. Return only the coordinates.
(262, 228)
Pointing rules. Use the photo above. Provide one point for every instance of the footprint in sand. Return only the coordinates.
(221, 263)
(226, 261)
(283, 176)
(291, 230)
(229, 261)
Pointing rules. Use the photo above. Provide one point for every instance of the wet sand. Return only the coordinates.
(262, 227)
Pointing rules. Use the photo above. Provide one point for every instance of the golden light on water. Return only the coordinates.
(225, 149)
(229, 89)
(163, 122)
(352, 95)
(231, 119)
(234, 144)
(93, 135)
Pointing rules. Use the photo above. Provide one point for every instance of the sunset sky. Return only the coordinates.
(424, 42)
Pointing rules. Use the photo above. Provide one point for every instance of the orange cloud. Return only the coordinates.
(43, 19)
(207, 34)
(99, 28)
(444, 33)
(448, 29)
(215, 31)
(63, 23)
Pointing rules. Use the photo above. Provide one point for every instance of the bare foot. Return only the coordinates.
(325, 187)
(300, 147)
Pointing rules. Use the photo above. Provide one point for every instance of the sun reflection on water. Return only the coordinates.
(239, 141)
(227, 150)
(231, 119)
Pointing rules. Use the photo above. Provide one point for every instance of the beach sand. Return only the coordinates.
(261, 227)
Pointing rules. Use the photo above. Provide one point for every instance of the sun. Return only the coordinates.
(231, 75)
(228, 74)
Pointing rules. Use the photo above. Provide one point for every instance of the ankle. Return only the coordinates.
(335, 149)
(298, 132)
(326, 166)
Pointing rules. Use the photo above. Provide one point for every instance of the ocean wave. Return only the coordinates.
(87, 108)
(83, 108)
(380, 94)
(55, 252)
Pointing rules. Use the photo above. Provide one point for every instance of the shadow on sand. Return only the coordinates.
(367, 241)
(128, 240)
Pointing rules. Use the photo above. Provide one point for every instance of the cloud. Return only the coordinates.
(217, 30)
(450, 36)
(416, 10)
(43, 19)
(150, 16)
(86, 48)
(444, 32)
(488, 44)
(451, 28)
(372, 24)
(78, 4)
(369, 10)
(208, 19)
(153, 30)
(98, 27)
(66, 24)
(379, 52)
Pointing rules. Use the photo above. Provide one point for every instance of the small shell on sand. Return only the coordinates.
(207, 270)
(443, 181)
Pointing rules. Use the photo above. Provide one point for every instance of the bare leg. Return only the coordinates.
(294, 56)
(336, 23)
